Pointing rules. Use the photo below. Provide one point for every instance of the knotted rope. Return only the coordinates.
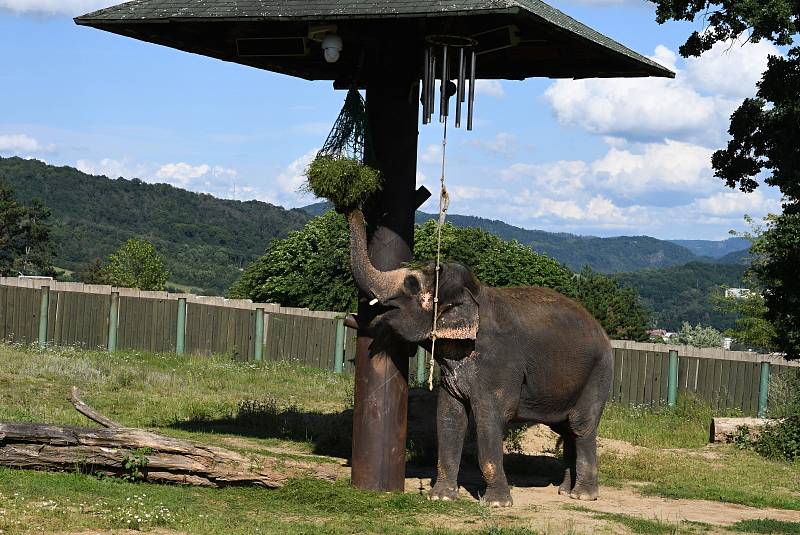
(444, 204)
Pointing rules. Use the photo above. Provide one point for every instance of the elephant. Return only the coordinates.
(524, 354)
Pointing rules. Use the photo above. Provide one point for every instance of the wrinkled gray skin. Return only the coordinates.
(523, 354)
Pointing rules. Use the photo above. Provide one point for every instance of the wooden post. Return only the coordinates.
(338, 353)
(381, 381)
(672, 380)
(180, 334)
(258, 350)
(763, 390)
(44, 306)
(113, 322)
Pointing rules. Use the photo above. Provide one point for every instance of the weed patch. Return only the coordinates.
(766, 525)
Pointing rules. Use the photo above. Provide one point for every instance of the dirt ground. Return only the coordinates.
(538, 505)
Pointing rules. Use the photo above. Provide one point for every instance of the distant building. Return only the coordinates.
(663, 334)
(738, 293)
(726, 343)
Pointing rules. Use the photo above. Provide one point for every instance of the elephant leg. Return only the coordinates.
(451, 427)
(490, 425)
(586, 467)
(569, 463)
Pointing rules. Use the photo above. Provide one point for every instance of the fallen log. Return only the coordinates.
(129, 452)
(725, 429)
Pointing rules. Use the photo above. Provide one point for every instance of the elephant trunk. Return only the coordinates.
(382, 285)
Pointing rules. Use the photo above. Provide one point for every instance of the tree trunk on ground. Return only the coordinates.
(135, 453)
(724, 429)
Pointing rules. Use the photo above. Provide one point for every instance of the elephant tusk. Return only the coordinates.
(374, 302)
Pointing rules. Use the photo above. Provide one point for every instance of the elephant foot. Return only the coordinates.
(443, 492)
(584, 492)
(565, 488)
(497, 498)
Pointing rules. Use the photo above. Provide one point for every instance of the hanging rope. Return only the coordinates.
(444, 204)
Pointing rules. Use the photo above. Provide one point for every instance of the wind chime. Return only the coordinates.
(442, 54)
(449, 57)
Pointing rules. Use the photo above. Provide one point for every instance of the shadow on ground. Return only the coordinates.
(331, 434)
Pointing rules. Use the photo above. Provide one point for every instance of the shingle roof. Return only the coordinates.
(159, 11)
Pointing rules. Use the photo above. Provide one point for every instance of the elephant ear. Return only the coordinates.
(459, 313)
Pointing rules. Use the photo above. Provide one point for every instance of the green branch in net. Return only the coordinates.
(345, 182)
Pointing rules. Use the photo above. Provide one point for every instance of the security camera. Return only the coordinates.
(332, 45)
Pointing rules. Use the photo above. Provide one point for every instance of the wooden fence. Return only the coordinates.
(101, 317)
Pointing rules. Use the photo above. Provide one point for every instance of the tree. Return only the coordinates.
(619, 310)
(751, 327)
(137, 265)
(25, 246)
(310, 268)
(764, 139)
(699, 336)
(93, 273)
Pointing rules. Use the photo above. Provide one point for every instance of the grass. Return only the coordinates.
(295, 409)
(643, 525)
(60, 502)
(766, 525)
(686, 426)
(731, 476)
(142, 389)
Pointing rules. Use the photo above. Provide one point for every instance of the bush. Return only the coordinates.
(781, 441)
(345, 182)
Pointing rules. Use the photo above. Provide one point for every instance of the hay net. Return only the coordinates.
(347, 138)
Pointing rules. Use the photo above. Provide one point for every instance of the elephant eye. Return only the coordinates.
(411, 285)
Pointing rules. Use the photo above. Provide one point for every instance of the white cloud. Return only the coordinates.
(559, 179)
(695, 106)
(291, 180)
(431, 155)
(669, 166)
(490, 88)
(736, 204)
(21, 144)
(731, 69)
(503, 144)
(54, 7)
(113, 168)
(181, 172)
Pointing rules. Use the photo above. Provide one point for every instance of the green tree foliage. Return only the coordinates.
(494, 261)
(618, 310)
(685, 293)
(764, 132)
(136, 265)
(205, 241)
(310, 268)
(25, 246)
(698, 336)
(92, 273)
(751, 329)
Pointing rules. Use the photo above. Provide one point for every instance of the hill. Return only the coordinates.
(682, 293)
(607, 255)
(205, 241)
(715, 249)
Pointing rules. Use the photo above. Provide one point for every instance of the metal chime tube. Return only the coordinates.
(445, 75)
(426, 80)
(461, 79)
(432, 86)
(471, 103)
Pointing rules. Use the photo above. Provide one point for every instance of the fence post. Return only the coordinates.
(258, 352)
(113, 322)
(180, 334)
(672, 380)
(338, 354)
(763, 390)
(44, 305)
(421, 358)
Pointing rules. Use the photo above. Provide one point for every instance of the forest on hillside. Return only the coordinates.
(685, 293)
(205, 241)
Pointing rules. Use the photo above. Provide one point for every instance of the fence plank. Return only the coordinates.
(616, 384)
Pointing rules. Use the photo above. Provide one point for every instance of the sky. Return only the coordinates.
(593, 157)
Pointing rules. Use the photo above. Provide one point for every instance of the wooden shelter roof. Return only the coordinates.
(549, 43)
